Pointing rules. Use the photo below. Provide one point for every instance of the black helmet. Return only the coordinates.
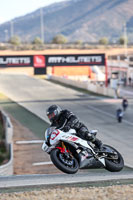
(53, 112)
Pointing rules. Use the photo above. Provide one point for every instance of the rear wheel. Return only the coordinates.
(64, 161)
(119, 119)
(114, 162)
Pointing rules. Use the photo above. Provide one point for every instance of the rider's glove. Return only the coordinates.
(66, 128)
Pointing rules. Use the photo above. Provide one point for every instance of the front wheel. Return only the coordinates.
(64, 161)
(114, 162)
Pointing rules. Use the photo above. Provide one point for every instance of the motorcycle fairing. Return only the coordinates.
(58, 135)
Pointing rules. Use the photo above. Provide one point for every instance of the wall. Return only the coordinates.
(7, 169)
(86, 85)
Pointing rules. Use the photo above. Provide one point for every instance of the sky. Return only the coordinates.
(9, 9)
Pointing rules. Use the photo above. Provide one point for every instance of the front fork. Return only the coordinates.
(62, 148)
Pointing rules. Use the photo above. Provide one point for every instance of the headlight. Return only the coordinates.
(45, 147)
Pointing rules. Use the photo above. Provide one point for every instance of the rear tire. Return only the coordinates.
(120, 119)
(114, 165)
(58, 162)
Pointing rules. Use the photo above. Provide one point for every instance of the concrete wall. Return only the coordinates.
(7, 169)
(86, 85)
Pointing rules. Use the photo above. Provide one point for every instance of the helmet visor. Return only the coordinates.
(51, 116)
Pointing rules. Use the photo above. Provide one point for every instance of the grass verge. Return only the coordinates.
(25, 117)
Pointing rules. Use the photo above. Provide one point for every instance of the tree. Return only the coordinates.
(123, 40)
(59, 39)
(15, 40)
(37, 41)
(78, 42)
(103, 41)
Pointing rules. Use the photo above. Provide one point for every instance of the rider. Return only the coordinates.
(124, 104)
(65, 120)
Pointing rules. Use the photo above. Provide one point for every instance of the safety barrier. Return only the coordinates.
(85, 85)
(7, 169)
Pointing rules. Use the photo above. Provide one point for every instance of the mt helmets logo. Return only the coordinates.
(39, 61)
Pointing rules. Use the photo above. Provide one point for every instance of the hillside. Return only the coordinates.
(86, 20)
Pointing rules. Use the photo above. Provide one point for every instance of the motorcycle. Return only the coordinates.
(119, 115)
(69, 153)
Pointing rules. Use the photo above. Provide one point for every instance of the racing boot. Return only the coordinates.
(92, 138)
(98, 144)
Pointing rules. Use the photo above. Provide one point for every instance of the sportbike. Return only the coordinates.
(69, 153)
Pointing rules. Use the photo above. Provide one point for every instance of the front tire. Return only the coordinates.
(69, 166)
(115, 165)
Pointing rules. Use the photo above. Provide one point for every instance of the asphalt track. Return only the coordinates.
(63, 179)
(96, 112)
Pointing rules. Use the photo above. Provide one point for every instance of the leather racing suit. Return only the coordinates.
(68, 120)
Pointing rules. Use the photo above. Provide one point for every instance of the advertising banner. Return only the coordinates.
(39, 61)
(75, 60)
(16, 61)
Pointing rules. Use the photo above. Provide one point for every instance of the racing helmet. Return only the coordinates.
(53, 112)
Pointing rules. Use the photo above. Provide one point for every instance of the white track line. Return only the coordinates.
(42, 163)
(30, 142)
